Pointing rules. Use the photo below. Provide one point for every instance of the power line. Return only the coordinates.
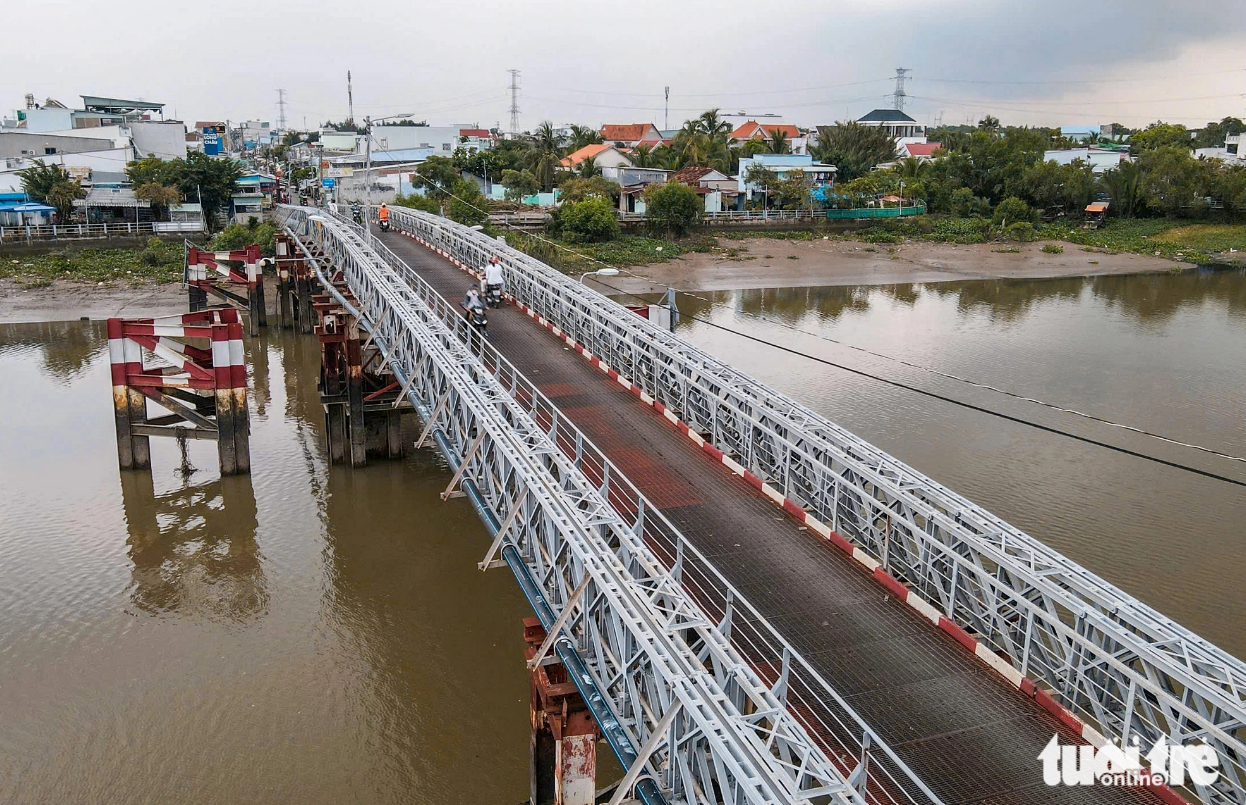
(920, 391)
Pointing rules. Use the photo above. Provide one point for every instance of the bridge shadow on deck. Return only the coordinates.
(966, 733)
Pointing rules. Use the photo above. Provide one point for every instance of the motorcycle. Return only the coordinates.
(477, 318)
(493, 296)
(384, 225)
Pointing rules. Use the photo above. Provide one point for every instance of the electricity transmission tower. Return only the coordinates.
(899, 96)
(514, 110)
(350, 98)
(666, 118)
(281, 107)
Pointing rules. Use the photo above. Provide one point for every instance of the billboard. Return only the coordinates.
(213, 137)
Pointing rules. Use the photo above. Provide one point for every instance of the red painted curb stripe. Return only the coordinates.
(892, 584)
(752, 479)
(962, 637)
(794, 510)
(841, 543)
(1048, 703)
(713, 451)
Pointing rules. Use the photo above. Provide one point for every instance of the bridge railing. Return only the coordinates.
(825, 715)
(671, 679)
(1124, 668)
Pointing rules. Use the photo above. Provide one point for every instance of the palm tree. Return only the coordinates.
(582, 136)
(911, 168)
(779, 143)
(545, 154)
(588, 169)
(643, 156)
(713, 125)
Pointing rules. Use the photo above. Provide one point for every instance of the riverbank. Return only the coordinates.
(776, 263)
(66, 300)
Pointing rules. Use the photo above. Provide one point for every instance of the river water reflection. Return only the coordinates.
(306, 635)
(1162, 352)
(313, 634)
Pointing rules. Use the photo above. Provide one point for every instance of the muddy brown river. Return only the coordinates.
(313, 634)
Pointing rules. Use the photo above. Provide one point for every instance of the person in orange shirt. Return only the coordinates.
(383, 215)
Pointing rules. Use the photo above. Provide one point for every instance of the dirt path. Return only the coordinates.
(793, 263)
(67, 301)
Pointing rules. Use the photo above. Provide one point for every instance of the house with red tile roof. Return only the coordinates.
(631, 134)
(603, 155)
(717, 189)
(923, 151)
(752, 130)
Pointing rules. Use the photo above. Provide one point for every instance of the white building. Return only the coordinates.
(1099, 159)
(442, 139)
(783, 165)
(898, 125)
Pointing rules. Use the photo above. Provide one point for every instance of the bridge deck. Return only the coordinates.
(970, 736)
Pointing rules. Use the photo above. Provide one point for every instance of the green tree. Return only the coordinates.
(1213, 134)
(1173, 181)
(582, 136)
(779, 144)
(853, 148)
(1123, 185)
(587, 169)
(791, 191)
(1160, 135)
(207, 179)
(519, 183)
(160, 196)
(1012, 210)
(545, 154)
(153, 170)
(671, 208)
(578, 189)
(712, 124)
(467, 204)
(643, 156)
(436, 175)
(589, 221)
(989, 123)
(51, 185)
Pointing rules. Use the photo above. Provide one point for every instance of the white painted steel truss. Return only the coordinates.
(1119, 664)
(646, 643)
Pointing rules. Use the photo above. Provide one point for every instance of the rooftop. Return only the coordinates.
(626, 132)
(751, 128)
(95, 103)
(587, 152)
(886, 116)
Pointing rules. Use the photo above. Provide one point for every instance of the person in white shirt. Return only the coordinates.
(493, 279)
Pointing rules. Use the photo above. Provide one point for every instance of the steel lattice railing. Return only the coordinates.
(1123, 667)
(646, 644)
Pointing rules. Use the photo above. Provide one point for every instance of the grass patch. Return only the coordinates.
(157, 262)
(1206, 237)
(624, 251)
(1052, 248)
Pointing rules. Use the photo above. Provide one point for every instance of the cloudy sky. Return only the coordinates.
(1052, 62)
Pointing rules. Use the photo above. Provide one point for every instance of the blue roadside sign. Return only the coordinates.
(328, 182)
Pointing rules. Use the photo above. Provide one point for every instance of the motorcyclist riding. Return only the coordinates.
(474, 308)
(356, 212)
(493, 282)
(383, 215)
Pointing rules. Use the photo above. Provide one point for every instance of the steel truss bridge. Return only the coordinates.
(698, 695)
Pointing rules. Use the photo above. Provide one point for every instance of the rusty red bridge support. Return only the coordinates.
(202, 382)
(206, 274)
(564, 734)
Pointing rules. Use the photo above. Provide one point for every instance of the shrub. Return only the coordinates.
(237, 236)
(589, 221)
(1012, 210)
(672, 208)
(1022, 231)
(1052, 248)
(467, 204)
(418, 202)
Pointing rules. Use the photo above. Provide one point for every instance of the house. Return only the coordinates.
(899, 126)
(443, 140)
(53, 116)
(717, 188)
(253, 193)
(631, 135)
(603, 156)
(1099, 159)
(783, 165)
(475, 139)
(632, 182)
(924, 152)
(752, 130)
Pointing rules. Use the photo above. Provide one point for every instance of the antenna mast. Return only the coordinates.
(514, 110)
(281, 107)
(350, 99)
(898, 97)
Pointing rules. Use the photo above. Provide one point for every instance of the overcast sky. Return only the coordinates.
(1052, 62)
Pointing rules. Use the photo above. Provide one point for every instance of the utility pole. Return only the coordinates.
(666, 117)
(350, 99)
(514, 110)
(281, 107)
(898, 97)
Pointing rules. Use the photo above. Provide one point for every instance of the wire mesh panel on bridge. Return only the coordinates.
(672, 693)
(200, 378)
